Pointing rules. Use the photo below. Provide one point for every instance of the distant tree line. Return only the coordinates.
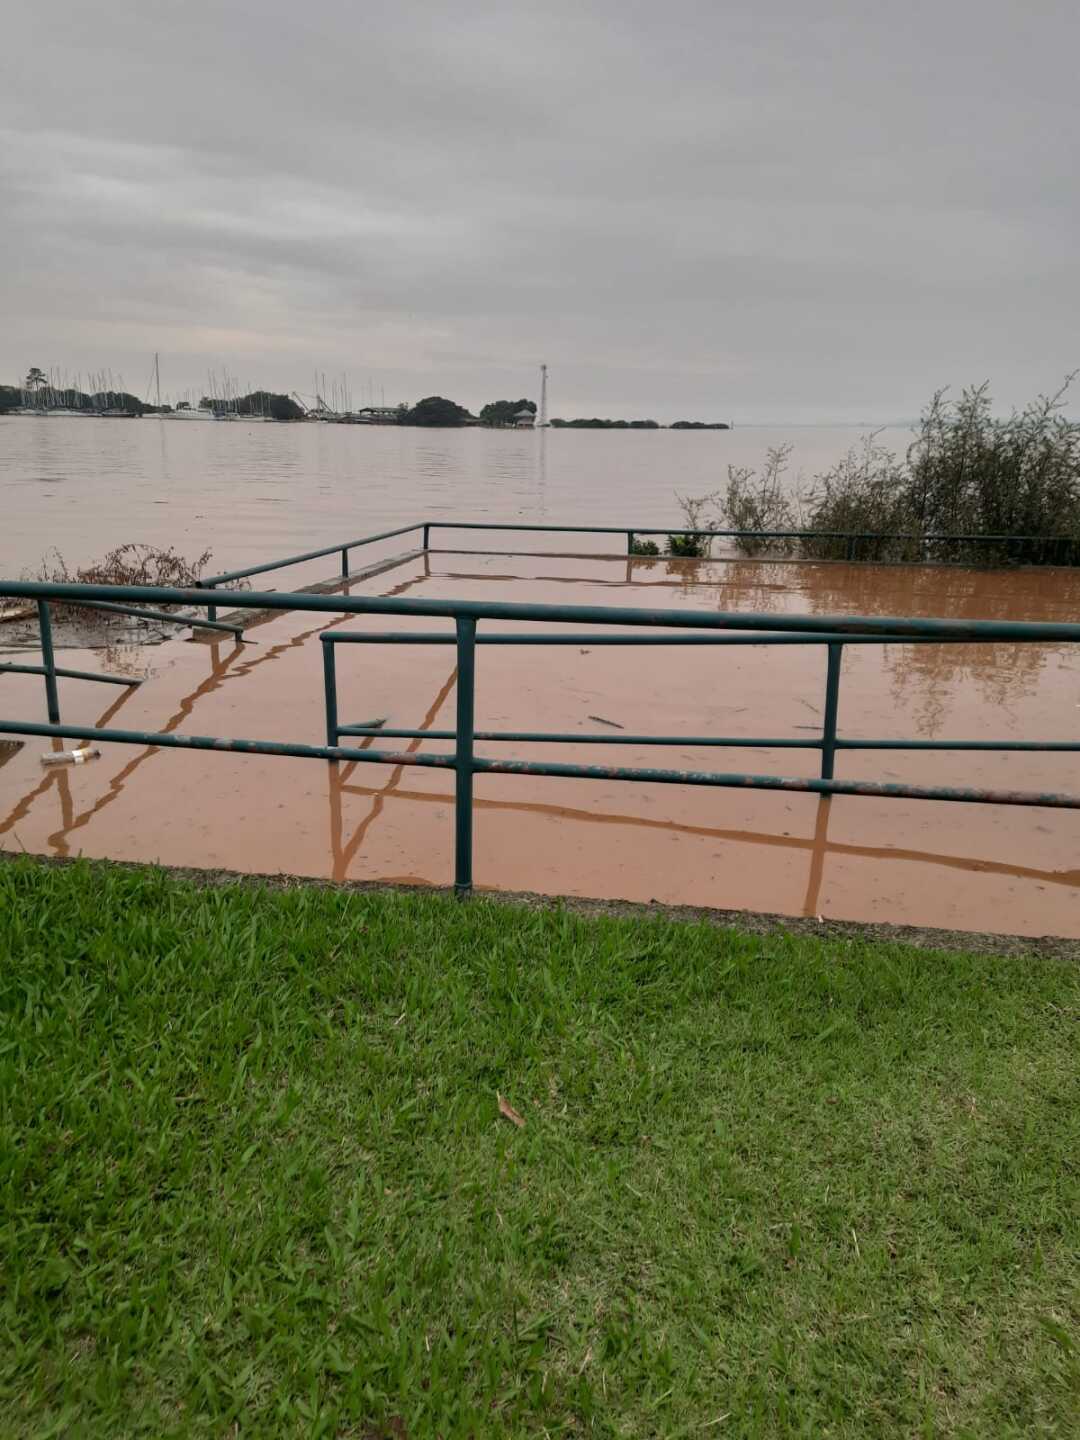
(35, 393)
(597, 424)
(259, 402)
(436, 410)
(505, 412)
(433, 410)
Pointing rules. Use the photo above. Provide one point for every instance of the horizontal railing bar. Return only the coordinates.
(750, 534)
(884, 790)
(309, 555)
(841, 627)
(436, 637)
(588, 737)
(164, 615)
(69, 674)
(995, 745)
(761, 742)
(168, 741)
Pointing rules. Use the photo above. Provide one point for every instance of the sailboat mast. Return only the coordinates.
(543, 420)
(157, 380)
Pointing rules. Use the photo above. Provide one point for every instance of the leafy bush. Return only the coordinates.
(972, 474)
(966, 474)
(644, 547)
(863, 494)
(760, 502)
(694, 547)
(688, 547)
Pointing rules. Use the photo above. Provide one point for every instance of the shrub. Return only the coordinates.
(688, 547)
(966, 473)
(760, 502)
(865, 493)
(750, 502)
(130, 564)
(972, 474)
(695, 513)
(644, 547)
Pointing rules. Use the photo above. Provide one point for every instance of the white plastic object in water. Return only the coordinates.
(78, 756)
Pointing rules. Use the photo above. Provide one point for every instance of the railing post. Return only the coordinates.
(48, 660)
(344, 562)
(463, 755)
(629, 542)
(330, 690)
(427, 536)
(211, 610)
(832, 701)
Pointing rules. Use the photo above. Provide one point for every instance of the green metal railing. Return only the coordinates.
(53, 672)
(1045, 545)
(211, 582)
(166, 617)
(465, 736)
(648, 627)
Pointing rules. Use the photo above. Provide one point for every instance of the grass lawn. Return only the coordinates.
(255, 1180)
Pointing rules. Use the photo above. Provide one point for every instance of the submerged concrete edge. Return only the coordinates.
(752, 922)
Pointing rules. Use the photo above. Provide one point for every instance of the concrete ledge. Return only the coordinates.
(247, 618)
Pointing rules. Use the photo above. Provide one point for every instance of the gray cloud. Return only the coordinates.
(760, 210)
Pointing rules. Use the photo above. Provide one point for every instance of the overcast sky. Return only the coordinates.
(763, 209)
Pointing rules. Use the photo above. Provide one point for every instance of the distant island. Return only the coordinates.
(436, 410)
(595, 424)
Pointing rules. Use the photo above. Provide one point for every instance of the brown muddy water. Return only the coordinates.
(252, 492)
(958, 866)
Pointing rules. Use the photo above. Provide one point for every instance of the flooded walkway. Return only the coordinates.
(957, 866)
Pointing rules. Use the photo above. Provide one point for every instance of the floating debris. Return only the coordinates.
(78, 756)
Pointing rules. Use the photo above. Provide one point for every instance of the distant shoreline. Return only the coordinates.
(60, 412)
(39, 400)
